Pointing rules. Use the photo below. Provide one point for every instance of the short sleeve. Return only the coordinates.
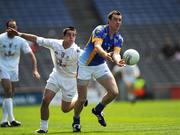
(118, 41)
(97, 33)
(25, 46)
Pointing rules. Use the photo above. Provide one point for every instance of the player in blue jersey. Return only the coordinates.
(105, 44)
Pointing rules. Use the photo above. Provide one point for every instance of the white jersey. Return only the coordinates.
(64, 60)
(128, 71)
(10, 49)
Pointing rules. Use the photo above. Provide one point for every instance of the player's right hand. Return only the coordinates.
(36, 74)
(109, 57)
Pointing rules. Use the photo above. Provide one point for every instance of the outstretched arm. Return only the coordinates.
(29, 37)
(101, 51)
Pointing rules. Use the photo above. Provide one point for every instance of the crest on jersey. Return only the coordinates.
(97, 31)
(115, 40)
(104, 35)
(78, 50)
(62, 54)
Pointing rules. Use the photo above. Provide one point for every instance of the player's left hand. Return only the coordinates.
(121, 63)
(36, 75)
(109, 57)
(12, 31)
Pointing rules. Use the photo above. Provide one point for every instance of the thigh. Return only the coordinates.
(101, 70)
(84, 72)
(11, 75)
(53, 82)
(6, 84)
(69, 89)
(4, 74)
(14, 76)
(108, 82)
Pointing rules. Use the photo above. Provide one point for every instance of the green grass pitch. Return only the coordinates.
(123, 118)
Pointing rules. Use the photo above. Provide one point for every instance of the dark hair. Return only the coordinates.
(114, 12)
(68, 28)
(10, 20)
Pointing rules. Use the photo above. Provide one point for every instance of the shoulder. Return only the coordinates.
(60, 41)
(100, 28)
(20, 39)
(119, 37)
(76, 48)
(3, 35)
(56, 41)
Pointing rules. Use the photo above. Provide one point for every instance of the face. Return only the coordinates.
(70, 36)
(12, 24)
(115, 22)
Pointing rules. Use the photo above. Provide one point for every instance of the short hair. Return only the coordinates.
(67, 29)
(10, 20)
(114, 12)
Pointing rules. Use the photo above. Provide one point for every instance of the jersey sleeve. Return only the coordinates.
(118, 41)
(25, 46)
(45, 42)
(79, 51)
(97, 34)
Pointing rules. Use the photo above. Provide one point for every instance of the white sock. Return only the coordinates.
(9, 107)
(44, 125)
(5, 113)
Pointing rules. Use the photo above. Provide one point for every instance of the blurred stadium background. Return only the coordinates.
(147, 26)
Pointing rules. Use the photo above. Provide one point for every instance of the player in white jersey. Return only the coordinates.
(65, 55)
(10, 47)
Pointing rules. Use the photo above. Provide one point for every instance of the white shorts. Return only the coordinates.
(130, 79)
(68, 85)
(87, 72)
(11, 75)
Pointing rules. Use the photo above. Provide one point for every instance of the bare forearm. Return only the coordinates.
(34, 62)
(116, 57)
(101, 51)
(29, 37)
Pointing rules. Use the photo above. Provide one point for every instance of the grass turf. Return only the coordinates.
(123, 118)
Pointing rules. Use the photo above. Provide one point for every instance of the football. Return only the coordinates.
(131, 57)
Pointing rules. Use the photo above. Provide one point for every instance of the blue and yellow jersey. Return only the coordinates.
(89, 56)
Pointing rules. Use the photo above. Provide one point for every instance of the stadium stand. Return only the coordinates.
(35, 13)
(142, 11)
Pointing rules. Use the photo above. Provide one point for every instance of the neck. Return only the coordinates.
(10, 36)
(66, 45)
(111, 33)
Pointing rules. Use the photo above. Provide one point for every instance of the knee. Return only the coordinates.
(114, 93)
(8, 94)
(65, 110)
(81, 100)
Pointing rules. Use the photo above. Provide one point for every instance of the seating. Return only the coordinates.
(36, 13)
